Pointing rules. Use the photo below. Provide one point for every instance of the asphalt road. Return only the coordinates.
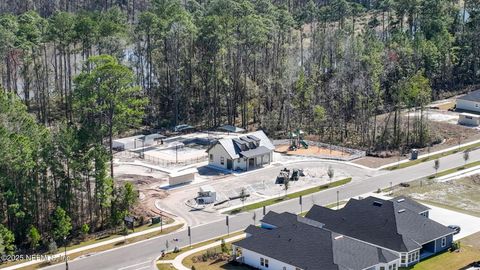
(175, 202)
(141, 255)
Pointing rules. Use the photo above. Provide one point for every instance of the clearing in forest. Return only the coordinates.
(312, 150)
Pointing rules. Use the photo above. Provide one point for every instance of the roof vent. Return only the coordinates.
(400, 200)
(401, 211)
(338, 237)
(377, 203)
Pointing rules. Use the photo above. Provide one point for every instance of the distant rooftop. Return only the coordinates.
(472, 96)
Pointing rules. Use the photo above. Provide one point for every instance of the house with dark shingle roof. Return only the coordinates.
(399, 225)
(367, 234)
(290, 242)
(242, 153)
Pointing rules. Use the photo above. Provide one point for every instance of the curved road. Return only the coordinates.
(175, 202)
(141, 255)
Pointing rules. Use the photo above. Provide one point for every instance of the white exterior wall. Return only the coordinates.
(468, 105)
(218, 152)
(468, 120)
(240, 163)
(253, 259)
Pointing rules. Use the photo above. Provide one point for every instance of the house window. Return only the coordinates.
(417, 255)
(444, 241)
(266, 263)
(262, 262)
(390, 267)
(382, 267)
(211, 157)
(403, 259)
(222, 160)
(284, 268)
(394, 266)
(476, 105)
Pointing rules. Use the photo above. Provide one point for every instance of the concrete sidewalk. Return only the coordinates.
(92, 246)
(177, 262)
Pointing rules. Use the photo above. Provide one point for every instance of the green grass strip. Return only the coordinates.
(432, 157)
(454, 170)
(288, 196)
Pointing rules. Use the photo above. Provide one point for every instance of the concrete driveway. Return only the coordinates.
(468, 224)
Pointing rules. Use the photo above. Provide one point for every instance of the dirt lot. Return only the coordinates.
(460, 194)
(149, 193)
(312, 150)
(453, 135)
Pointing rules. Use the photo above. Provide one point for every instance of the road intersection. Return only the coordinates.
(142, 255)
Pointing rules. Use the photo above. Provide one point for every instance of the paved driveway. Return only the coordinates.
(468, 224)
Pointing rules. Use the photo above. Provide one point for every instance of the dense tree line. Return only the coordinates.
(330, 67)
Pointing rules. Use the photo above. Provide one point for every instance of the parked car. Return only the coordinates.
(456, 228)
(475, 264)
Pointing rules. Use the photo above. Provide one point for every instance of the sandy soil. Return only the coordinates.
(149, 192)
(454, 135)
(460, 193)
(472, 240)
(311, 151)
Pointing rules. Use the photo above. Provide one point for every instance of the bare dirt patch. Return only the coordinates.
(460, 193)
(312, 150)
(472, 240)
(146, 206)
(452, 135)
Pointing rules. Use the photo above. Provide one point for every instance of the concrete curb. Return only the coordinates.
(99, 244)
(177, 262)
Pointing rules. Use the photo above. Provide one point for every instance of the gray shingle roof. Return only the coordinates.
(233, 150)
(261, 150)
(472, 96)
(406, 202)
(230, 128)
(380, 222)
(311, 247)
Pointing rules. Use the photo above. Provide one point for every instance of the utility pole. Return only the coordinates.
(176, 153)
(228, 226)
(301, 206)
(190, 236)
(338, 199)
(66, 258)
(161, 222)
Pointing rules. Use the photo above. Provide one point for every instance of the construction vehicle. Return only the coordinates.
(286, 175)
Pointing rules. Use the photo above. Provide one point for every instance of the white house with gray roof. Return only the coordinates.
(469, 102)
(367, 234)
(292, 242)
(242, 153)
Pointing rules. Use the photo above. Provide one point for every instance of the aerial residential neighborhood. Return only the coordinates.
(240, 135)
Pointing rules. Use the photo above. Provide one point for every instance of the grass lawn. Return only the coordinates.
(288, 197)
(171, 255)
(213, 265)
(449, 260)
(98, 249)
(469, 252)
(165, 266)
(432, 157)
(453, 170)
